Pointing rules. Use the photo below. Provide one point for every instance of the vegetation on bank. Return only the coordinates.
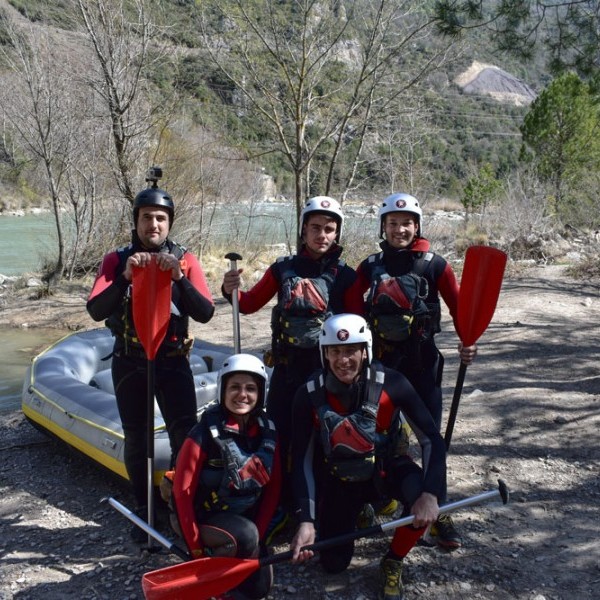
(239, 101)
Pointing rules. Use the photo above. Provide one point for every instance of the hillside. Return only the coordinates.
(459, 122)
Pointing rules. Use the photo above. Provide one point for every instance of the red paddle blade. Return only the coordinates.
(151, 297)
(479, 290)
(198, 579)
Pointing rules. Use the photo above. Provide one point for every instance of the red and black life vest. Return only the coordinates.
(234, 479)
(121, 322)
(303, 305)
(400, 308)
(352, 446)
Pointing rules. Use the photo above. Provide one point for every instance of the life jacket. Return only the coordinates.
(353, 448)
(121, 322)
(398, 307)
(234, 480)
(303, 305)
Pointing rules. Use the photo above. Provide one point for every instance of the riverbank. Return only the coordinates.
(529, 414)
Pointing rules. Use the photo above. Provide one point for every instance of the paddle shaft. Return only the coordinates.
(150, 445)
(235, 303)
(460, 379)
(502, 492)
(163, 541)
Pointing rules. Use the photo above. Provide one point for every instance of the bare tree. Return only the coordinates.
(314, 74)
(38, 105)
(127, 44)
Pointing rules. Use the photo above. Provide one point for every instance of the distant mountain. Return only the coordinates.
(489, 80)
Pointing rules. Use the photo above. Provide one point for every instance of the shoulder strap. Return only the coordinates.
(316, 388)
(124, 252)
(422, 263)
(176, 249)
(375, 381)
(285, 267)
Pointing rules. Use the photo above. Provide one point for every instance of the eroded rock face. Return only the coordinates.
(492, 81)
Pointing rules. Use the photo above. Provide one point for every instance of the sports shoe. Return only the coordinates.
(386, 508)
(278, 522)
(390, 580)
(444, 533)
(366, 517)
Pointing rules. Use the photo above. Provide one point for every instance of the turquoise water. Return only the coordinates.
(24, 241)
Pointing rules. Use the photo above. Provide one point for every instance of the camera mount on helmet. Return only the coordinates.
(153, 196)
(153, 174)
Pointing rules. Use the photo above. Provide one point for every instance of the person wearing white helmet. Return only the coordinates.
(347, 450)
(310, 286)
(403, 285)
(227, 479)
(110, 299)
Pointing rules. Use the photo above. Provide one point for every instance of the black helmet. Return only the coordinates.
(153, 196)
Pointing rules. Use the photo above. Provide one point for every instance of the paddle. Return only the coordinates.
(479, 290)
(203, 578)
(151, 305)
(233, 257)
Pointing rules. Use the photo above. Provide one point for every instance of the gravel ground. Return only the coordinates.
(529, 414)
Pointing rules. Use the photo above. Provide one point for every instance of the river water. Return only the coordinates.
(26, 240)
(18, 347)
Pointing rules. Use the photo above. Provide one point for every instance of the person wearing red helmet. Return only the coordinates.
(310, 286)
(110, 299)
(407, 272)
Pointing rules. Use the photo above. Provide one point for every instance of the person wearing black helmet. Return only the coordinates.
(110, 299)
(310, 286)
(403, 285)
(228, 476)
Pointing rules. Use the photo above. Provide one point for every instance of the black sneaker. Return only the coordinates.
(390, 580)
(444, 533)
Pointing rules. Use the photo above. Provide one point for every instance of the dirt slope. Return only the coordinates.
(530, 414)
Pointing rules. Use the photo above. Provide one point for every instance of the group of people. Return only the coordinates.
(354, 364)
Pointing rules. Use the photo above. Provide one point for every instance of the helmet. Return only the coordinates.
(323, 205)
(153, 196)
(401, 203)
(345, 328)
(243, 363)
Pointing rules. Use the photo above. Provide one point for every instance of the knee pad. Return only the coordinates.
(231, 535)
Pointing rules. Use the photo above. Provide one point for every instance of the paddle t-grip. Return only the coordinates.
(233, 257)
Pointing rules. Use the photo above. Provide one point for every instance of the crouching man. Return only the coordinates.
(346, 451)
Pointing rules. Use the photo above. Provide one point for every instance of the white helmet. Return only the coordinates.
(243, 363)
(401, 203)
(345, 328)
(323, 205)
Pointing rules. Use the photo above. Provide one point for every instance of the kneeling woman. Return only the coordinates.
(228, 476)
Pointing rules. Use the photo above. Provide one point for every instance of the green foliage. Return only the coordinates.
(561, 136)
(565, 33)
(57, 12)
(481, 190)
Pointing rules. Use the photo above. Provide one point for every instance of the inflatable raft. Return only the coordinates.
(68, 393)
